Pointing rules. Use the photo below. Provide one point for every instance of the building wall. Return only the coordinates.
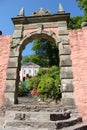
(4, 56)
(31, 71)
(78, 45)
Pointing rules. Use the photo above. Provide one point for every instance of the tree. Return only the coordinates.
(75, 22)
(46, 53)
(37, 59)
(83, 5)
(25, 59)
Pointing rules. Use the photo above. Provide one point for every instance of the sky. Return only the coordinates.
(11, 8)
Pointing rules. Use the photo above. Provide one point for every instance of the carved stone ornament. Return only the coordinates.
(41, 12)
(21, 13)
(15, 43)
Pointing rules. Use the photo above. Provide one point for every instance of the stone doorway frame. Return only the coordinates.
(51, 27)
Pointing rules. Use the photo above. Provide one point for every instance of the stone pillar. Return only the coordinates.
(65, 65)
(12, 75)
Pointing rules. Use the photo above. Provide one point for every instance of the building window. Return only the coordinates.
(29, 71)
(24, 72)
(35, 72)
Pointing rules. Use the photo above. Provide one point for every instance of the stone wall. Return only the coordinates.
(78, 44)
(4, 55)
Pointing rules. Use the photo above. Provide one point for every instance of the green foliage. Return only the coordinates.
(25, 59)
(33, 83)
(46, 83)
(83, 5)
(42, 72)
(37, 59)
(49, 85)
(46, 53)
(22, 88)
(54, 72)
(45, 87)
(75, 22)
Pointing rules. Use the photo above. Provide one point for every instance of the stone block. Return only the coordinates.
(64, 49)
(19, 116)
(67, 88)
(40, 116)
(62, 24)
(63, 32)
(9, 98)
(17, 34)
(14, 53)
(13, 62)
(10, 85)
(11, 73)
(15, 42)
(65, 60)
(66, 73)
(64, 39)
(68, 99)
(18, 27)
(67, 85)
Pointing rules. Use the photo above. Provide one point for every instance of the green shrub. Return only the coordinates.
(45, 87)
(22, 91)
(42, 72)
(49, 86)
(33, 83)
(46, 82)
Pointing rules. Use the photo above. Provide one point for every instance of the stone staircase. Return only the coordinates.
(41, 117)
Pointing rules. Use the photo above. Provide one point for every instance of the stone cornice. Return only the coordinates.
(40, 19)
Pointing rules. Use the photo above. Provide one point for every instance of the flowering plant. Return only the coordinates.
(35, 92)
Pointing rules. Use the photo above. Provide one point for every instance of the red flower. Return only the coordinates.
(35, 92)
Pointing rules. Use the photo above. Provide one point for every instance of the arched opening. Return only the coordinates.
(51, 27)
(33, 85)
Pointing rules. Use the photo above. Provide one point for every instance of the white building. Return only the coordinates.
(30, 68)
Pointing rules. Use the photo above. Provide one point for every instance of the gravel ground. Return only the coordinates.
(28, 100)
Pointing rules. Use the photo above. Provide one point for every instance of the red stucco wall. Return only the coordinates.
(78, 44)
(4, 55)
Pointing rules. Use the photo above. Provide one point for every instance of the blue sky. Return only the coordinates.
(11, 8)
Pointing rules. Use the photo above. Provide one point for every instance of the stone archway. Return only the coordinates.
(40, 25)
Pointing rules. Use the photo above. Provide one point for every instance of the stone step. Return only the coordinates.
(42, 124)
(37, 116)
(40, 108)
(81, 126)
(23, 129)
